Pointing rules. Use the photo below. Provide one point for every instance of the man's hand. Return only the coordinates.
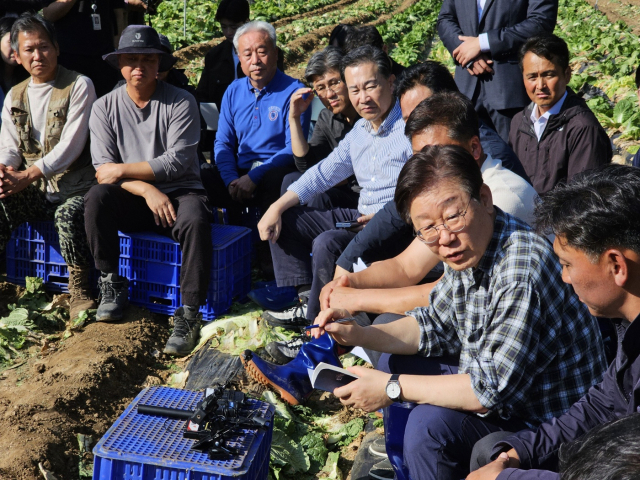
(364, 219)
(343, 333)
(325, 293)
(244, 188)
(270, 225)
(110, 173)
(468, 50)
(481, 65)
(345, 298)
(13, 181)
(300, 101)
(367, 392)
(491, 470)
(161, 206)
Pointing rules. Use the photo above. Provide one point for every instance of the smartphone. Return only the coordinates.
(351, 224)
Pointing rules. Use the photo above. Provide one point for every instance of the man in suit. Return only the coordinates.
(484, 37)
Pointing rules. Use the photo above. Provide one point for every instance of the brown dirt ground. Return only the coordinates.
(77, 385)
(626, 10)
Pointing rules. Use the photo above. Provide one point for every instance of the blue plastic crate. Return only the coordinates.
(152, 264)
(146, 447)
(34, 251)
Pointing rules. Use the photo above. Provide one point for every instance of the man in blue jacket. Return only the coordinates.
(483, 37)
(253, 142)
(597, 226)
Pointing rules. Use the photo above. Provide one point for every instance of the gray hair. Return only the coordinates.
(255, 26)
(30, 23)
(323, 61)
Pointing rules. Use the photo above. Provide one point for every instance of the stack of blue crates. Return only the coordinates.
(151, 263)
(146, 447)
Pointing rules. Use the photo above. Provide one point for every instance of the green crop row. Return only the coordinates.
(412, 30)
(305, 25)
(201, 24)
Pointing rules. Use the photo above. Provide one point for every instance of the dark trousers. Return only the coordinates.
(109, 208)
(267, 191)
(385, 236)
(438, 441)
(499, 120)
(341, 196)
(307, 231)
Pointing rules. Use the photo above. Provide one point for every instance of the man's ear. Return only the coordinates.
(486, 199)
(476, 147)
(618, 266)
(392, 79)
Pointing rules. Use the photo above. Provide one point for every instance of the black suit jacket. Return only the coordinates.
(508, 24)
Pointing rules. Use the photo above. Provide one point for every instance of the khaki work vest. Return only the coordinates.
(80, 176)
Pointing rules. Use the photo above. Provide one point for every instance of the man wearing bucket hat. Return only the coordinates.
(144, 139)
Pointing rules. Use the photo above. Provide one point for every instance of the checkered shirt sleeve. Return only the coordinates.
(530, 347)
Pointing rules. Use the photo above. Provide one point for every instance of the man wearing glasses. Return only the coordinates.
(503, 344)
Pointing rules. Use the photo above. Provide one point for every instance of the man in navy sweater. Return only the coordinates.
(253, 142)
(597, 226)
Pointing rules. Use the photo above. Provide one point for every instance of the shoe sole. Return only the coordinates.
(376, 453)
(286, 325)
(258, 376)
(176, 353)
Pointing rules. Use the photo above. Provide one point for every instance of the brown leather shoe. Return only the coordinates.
(80, 290)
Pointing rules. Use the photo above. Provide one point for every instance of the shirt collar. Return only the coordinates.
(387, 124)
(554, 110)
(269, 86)
(500, 232)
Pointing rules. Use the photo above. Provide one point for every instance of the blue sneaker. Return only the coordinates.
(274, 298)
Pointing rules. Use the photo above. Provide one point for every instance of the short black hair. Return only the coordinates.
(549, 46)
(367, 54)
(597, 210)
(430, 74)
(235, 10)
(451, 110)
(360, 36)
(610, 451)
(433, 164)
(339, 34)
(638, 77)
(31, 22)
(323, 61)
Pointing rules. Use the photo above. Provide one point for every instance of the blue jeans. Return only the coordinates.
(437, 441)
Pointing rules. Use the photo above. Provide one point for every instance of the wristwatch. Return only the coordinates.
(393, 388)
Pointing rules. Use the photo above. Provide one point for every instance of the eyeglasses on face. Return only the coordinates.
(323, 91)
(454, 223)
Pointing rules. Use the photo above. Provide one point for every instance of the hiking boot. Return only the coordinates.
(284, 352)
(186, 333)
(114, 297)
(382, 470)
(80, 291)
(293, 318)
(378, 447)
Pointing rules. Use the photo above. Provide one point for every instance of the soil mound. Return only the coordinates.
(76, 386)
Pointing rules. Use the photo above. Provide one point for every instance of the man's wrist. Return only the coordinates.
(34, 173)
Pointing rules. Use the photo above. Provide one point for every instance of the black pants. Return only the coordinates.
(109, 208)
(384, 237)
(307, 230)
(267, 191)
(499, 120)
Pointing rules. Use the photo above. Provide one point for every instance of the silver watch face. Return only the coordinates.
(393, 390)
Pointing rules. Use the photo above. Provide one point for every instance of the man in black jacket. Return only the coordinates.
(557, 135)
(21, 6)
(596, 221)
(483, 37)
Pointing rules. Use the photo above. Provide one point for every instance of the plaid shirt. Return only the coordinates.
(531, 347)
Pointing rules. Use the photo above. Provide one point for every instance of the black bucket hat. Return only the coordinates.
(141, 39)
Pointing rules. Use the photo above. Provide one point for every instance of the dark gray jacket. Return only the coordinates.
(572, 142)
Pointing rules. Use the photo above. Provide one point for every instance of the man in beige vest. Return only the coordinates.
(45, 163)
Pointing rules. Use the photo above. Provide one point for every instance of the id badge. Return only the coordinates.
(95, 19)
